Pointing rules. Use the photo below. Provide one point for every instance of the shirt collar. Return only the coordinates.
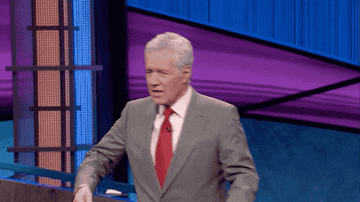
(180, 106)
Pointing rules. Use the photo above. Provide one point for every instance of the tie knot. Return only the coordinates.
(168, 111)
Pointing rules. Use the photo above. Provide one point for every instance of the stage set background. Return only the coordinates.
(295, 162)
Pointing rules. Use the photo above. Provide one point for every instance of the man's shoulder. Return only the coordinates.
(138, 106)
(140, 101)
(201, 100)
(215, 109)
(208, 101)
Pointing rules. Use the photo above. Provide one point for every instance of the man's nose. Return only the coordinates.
(154, 79)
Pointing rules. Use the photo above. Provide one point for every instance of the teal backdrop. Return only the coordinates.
(300, 163)
(295, 163)
(6, 140)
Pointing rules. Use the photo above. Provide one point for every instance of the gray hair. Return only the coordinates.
(181, 46)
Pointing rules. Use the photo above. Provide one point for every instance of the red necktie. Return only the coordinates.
(164, 148)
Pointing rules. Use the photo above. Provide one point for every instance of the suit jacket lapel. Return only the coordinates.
(150, 115)
(190, 132)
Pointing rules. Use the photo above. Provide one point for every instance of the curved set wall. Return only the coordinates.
(244, 72)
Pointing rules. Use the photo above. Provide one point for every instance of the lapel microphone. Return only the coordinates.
(168, 129)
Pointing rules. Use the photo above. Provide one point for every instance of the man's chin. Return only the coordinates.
(158, 101)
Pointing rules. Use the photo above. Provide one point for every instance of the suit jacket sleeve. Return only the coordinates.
(104, 156)
(236, 160)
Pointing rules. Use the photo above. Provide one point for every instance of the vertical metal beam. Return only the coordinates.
(35, 82)
(70, 33)
(93, 73)
(63, 162)
(71, 81)
(14, 80)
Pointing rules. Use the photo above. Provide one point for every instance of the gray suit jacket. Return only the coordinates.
(212, 147)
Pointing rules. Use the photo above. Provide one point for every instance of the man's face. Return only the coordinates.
(166, 84)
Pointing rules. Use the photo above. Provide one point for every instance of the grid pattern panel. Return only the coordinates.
(84, 133)
(49, 129)
(82, 56)
(68, 136)
(51, 161)
(68, 144)
(68, 166)
(65, 13)
(49, 88)
(66, 47)
(53, 123)
(67, 88)
(49, 102)
(48, 48)
(82, 40)
(47, 13)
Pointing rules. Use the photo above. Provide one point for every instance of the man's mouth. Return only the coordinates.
(156, 92)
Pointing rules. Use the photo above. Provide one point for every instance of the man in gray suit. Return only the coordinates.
(181, 145)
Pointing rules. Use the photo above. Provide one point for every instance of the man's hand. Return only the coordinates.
(83, 194)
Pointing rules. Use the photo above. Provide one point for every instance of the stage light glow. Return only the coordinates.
(82, 56)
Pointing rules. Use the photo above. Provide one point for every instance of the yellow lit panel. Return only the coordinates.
(65, 13)
(49, 129)
(68, 129)
(67, 90)
(68, 166)
(48, 48)
(66, 47)
(49, 88)
(51, 161)
(47, 13)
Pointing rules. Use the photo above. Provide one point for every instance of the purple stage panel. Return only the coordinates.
(243, 72)
(333, 107)
(5, 59)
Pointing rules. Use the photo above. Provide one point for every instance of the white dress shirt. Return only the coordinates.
(176, 120)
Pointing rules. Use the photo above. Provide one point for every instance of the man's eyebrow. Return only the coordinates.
(158, 70)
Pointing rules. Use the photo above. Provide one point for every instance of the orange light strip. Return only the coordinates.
(49, 89)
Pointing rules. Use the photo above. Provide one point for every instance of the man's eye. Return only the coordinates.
(160, 72)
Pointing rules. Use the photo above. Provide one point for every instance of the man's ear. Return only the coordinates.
(186, 71)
